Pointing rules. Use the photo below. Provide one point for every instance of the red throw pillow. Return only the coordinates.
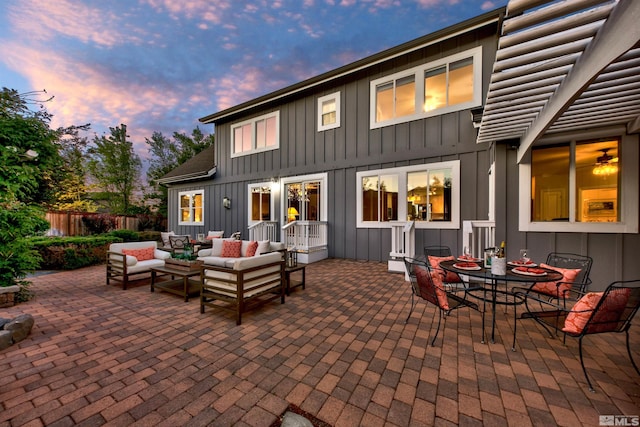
(252, 248)
(607, 317)
(449, 276)
(426, 287)
(550, 288)
(141, 254)
(231, 248)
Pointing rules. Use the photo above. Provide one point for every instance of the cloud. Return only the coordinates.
(44, 20)
(209, 10)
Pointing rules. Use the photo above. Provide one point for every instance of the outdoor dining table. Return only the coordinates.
(492, 282)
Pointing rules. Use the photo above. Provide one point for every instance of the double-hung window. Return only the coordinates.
(191, 206)
(427, 194)
(447, 85)
(329, 111)
(581, 186)
(255, 135)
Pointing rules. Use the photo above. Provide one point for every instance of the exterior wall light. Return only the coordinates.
(226, 202)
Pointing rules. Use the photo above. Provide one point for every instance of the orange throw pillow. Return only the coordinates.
(550, 288)
(252, 248)
(449, 276)
(231, 248)
(608, 314)
(436, 296)
(142, 254)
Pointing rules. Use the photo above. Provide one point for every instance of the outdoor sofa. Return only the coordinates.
(125, 260)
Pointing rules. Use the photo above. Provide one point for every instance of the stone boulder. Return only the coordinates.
(15, 330)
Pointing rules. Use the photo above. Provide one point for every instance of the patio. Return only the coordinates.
(339, 350)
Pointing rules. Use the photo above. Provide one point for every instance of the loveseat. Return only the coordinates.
(133, 258)
(241, 283)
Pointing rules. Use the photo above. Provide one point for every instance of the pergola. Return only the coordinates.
(563, 65)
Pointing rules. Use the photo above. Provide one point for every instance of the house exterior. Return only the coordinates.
(381, 157)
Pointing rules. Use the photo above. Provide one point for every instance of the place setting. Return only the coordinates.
(525, 266)
(466, 261)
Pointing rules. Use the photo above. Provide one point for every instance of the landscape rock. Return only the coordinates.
(5, 339)
(292, 419)
(20, 327)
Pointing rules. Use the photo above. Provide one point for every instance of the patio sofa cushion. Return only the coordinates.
(231, 248)
(250, 249)
(215, 235)
(140, 254)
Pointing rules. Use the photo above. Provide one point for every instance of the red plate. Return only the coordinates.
(529, 271)
(467, 266)
(518, 263)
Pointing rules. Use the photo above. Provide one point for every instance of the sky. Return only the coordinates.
(160, 65)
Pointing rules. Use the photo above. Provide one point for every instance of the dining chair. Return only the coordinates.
(437, 254)
(439, 251)
(590, 313)
(178, 243)
(427, 284)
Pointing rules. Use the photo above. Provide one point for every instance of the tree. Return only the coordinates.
(27, 153)
(115, 167)
(167, 154)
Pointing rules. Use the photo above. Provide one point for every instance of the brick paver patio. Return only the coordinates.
(339, 350)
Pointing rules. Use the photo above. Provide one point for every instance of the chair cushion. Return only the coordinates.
(449, 276)
(142, 254)
(550, 288)
(165, 238)
(214, 235)
(426, 287)
(606, 317)
(231, 248)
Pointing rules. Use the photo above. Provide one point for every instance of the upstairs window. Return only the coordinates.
(329, 111)
(255, 135)
(451, 84)
(191, 207)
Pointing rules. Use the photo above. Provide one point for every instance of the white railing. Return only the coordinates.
(403, 239)
(264, 230)
(306, 236)
(478, 235)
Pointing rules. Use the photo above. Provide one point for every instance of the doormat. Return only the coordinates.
(296, 410)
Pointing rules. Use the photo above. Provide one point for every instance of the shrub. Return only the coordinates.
(68, 253)
(126, 235)
(99, 223)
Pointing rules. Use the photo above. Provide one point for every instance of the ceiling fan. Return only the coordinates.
(605, 164)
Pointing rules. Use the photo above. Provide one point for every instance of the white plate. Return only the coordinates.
(517, 264)
(469, 259)
(460, 267)
(528, 273)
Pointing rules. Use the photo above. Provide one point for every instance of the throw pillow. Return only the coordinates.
(605, 319)
(431, 287)
(550, 288)
(449, 276)
(252, 248)
(141, 254)
(264, 246)
(231, 248)
(165, 238)
(214, 235)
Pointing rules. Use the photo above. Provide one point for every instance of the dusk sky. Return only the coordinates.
(160, 65)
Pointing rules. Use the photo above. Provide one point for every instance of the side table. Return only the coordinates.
(292, 283)
(184, 286)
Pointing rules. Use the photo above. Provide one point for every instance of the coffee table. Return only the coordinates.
(290, 284)
(183, 285)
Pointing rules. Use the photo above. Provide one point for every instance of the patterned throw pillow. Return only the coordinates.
(252, 248)
(231, 248)
(435, 296)
(550, 288)
(608, 314)
(142, 254)
(449, 276)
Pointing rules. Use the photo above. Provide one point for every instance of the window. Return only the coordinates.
(304, 198)
(191, 207)
(329, 111)
(260, 202)
(580, 186)
(427, 194)
(439, 87)
(255, 135)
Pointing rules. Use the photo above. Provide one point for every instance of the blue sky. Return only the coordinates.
(159, 65)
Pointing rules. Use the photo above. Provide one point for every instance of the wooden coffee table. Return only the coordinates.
(180, 283)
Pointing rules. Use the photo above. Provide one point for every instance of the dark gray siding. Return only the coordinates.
(354, 147)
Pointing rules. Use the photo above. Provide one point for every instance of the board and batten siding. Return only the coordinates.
(350, 148)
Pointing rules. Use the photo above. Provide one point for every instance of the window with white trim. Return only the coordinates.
(329, 111)
(191, 207)
(451, 84)
(255, 135)
(580, 186)
(427, 194)
(261, 202)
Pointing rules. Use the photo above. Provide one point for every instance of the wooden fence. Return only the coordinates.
(71, 223)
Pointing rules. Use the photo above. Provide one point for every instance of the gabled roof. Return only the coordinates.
(200, 166)
(403, 49)
(564, 65)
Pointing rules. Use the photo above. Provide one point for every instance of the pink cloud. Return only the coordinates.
(208, 10)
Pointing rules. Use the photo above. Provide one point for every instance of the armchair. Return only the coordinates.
(427, 284)
(590, 313)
